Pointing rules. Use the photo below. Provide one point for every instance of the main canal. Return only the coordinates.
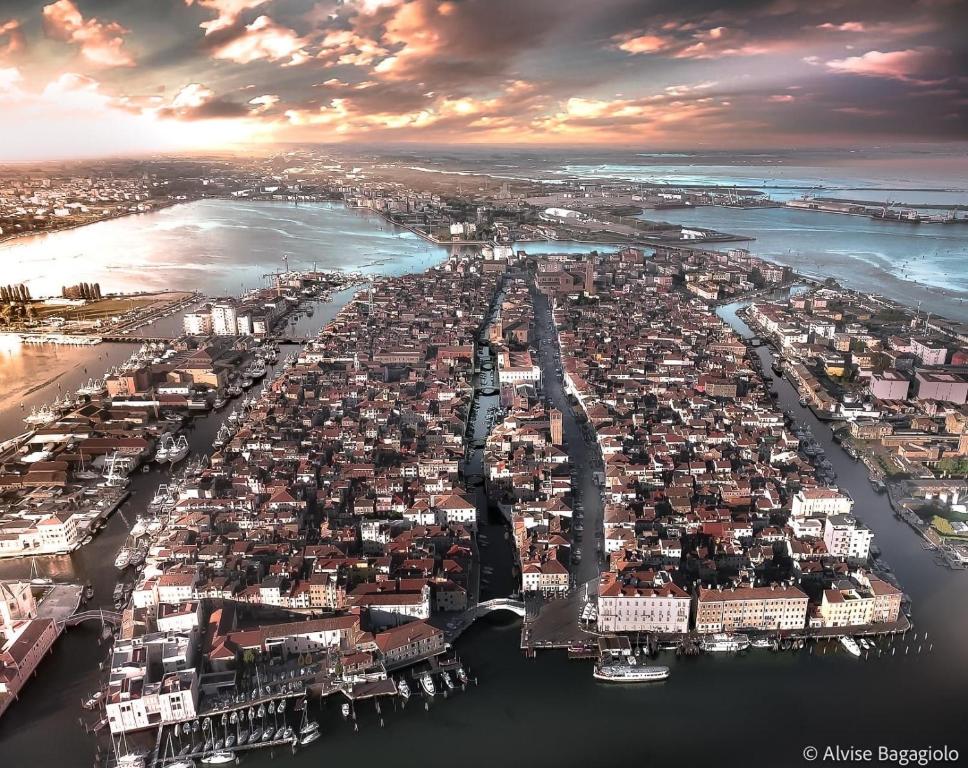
(758, 709)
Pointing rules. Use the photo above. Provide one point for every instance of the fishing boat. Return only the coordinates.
(850, 645)
(161, 454)
(629, 673)
(427, 683)
(179, 450)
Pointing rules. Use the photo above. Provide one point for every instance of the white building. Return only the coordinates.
(225, 321)
(628, 608)
(820, 502)
(845, 536)
(197, 323)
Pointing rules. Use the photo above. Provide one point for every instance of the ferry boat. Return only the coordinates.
(629, 673)
(427, 683)
(850, 645)
(721, 643)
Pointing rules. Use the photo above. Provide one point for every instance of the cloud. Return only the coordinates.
(692, 41)
(847, 26)
(228, 12)
(263, 39)
(101, 43)
(10, 79)
(924, 64)
(11, 38)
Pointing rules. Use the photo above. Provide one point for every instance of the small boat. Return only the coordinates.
(219, 758)
(761, 642)
(850, 645)
(277, 736)
(447, 681)
(309, 738)
(123, 559)
(427, 683)
(188, 763)
(345, 709)
(462, 675)
(230, 742)
(403, 689)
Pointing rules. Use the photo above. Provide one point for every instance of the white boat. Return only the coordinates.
(427, 683)
(447, 681)
(179, 451)
(345, 709)
(140, 528)
(123, 559)
(629, 673)
(164, 447)
(761, 642)
(181, 763)
(721, 643)
(219, 758)
(403, 689)
(850, 645)
(131, 761)
(309, 738)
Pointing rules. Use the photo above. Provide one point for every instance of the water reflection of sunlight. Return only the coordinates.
(10, 342)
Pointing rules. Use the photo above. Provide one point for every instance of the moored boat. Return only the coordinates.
(720, 643)
(850, 645)
(629, 673)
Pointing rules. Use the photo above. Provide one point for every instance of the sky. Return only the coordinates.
(86, 78)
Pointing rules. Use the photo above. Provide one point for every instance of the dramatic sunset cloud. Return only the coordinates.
(101, 43)
(213, 73)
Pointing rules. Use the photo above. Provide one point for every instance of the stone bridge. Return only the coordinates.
(105, 617)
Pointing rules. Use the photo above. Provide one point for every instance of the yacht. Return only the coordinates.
(427, 683)
(179, 450)
(139, 528)
(850, 645)
(722, 642)
(629, 673)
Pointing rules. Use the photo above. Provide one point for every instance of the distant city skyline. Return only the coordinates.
(87, 78)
